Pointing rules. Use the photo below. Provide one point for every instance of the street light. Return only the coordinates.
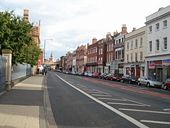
(44, 47)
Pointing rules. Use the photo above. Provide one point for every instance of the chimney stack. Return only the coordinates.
(114, 33)
(124, 29)
(133, 29)
(94, 40)
(26, 15)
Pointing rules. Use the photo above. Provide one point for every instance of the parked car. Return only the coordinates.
(85, 73)
(89, 74)
(108, 76)
(166, 84)
(150, 81)
(95, 74)
(73, 73)
(129, 79)
(81, 73)
(114, 77)
(117, 77)
(102, 75)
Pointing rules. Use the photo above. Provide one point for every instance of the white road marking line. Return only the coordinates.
(130, 119)
(101, 95)
(82, 87)
(95, 90)
(98, 92)
(155, 122)
(127, 104)
(137, 102)
(166, 109)
(149, 111)
(106, 98)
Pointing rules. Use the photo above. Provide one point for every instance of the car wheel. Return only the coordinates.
(122, 81)
(139, 83)
(148, 85)
(165, 87)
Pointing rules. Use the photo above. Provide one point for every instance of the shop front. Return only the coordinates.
(136, 70)
(159, 69)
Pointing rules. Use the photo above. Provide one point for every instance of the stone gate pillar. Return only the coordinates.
(8, 55)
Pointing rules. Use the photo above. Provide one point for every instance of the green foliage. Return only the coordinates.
(15, 34)
(31, 53)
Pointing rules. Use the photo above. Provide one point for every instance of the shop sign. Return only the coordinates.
(166, 62)
(151, 65)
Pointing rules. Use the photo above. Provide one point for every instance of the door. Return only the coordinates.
(159, 74)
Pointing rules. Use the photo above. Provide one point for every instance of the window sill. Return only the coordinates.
(165, 50)
(165, 27)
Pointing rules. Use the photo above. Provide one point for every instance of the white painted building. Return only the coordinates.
(158, 44)
(135, 43)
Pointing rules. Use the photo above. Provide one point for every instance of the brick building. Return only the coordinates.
(81, 59)
(101, 55)
(74, 62)
(36, 37)
(110, 56)
(62, 66)
(69, 60)
(92, 56)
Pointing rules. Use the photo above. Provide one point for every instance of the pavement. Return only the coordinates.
(23, 106)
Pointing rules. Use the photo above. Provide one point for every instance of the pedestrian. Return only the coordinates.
(45, 70)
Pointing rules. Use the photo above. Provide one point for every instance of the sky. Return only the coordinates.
(67, 24)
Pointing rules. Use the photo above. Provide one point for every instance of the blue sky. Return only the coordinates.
(70, 23)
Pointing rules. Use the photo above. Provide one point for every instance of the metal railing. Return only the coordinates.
(20, 71)
(2, 72)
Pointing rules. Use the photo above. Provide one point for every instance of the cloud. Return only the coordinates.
(71, 23)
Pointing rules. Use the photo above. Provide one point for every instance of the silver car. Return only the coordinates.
(149, 82)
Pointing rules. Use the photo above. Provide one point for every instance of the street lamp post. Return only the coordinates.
(45, 47)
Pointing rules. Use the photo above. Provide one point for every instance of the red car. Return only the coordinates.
(166, 84)
(95, 74)
(114, 77)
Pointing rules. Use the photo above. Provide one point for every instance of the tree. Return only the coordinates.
(15, 34)
(31, 53)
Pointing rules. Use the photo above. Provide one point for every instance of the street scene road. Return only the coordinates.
(84, 64)
(84, 102)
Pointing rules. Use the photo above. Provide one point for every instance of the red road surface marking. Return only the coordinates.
(132, 89)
